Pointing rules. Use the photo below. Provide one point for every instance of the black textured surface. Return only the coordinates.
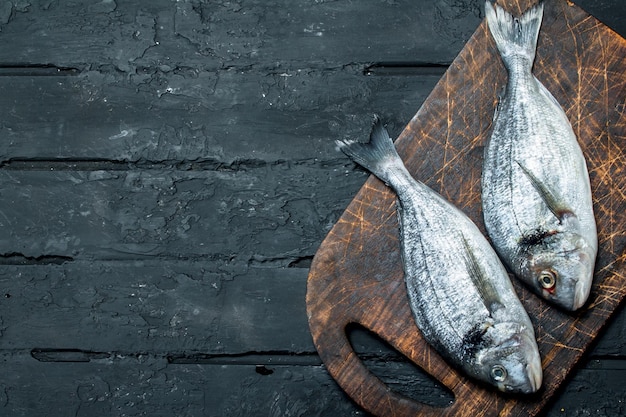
(167, 172)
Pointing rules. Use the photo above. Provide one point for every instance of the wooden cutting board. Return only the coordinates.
(357, 277)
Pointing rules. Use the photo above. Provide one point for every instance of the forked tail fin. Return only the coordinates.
(514, 36)
(379, 155)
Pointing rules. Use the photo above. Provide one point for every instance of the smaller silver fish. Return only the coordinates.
(459, 292)
(536, 194)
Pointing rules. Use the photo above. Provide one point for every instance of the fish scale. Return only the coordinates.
(536, 195)
(458, 290)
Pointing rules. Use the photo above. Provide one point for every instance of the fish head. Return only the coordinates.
(561, 269)
(510, 359)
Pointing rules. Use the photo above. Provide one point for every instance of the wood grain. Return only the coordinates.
(139, 38)
(168, 171)
(356, 275)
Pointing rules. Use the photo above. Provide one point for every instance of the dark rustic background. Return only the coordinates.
(167, 172)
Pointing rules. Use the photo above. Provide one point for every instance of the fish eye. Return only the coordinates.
(498, 373)
(547, 279)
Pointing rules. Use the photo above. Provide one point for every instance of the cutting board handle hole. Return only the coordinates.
(395, 370)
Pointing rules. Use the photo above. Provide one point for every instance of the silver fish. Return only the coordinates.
(460, 293)
(536, 194)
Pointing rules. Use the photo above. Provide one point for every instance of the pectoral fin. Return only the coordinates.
(488, 293)
(546, 195)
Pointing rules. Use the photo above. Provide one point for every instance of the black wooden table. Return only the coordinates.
(167, 172)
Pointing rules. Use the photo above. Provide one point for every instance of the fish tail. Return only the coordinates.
(379, 155)
(514, 36)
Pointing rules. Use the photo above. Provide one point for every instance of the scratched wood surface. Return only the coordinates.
(167, 172)
(356, 275)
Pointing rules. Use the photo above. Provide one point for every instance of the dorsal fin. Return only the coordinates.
(546, 195)
(488, 293)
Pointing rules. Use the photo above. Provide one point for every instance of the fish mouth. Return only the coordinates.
(581, 293)
(535, 375)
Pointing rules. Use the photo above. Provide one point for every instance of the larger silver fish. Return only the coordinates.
(460, 294)
(535, 187)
